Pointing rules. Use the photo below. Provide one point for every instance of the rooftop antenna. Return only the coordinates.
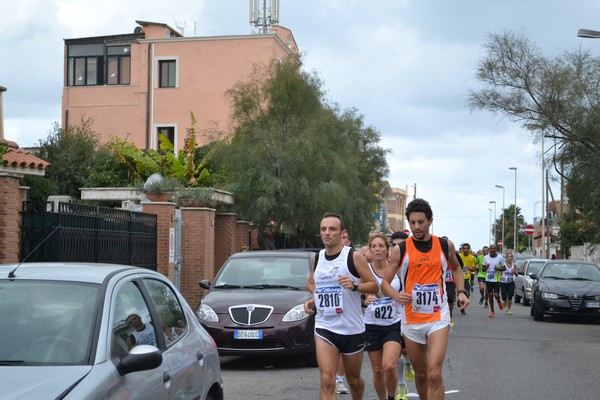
(181, 26)
(263, 17)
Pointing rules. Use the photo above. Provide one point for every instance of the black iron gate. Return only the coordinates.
(82, 233)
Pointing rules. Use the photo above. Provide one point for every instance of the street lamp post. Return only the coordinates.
(503, 212)
(490, 225)
(494, 226)
(515, 222)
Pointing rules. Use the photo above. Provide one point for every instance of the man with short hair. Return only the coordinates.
(469, 266)
(422, 260)
(493, 264)
(481, 275)
(339, 276)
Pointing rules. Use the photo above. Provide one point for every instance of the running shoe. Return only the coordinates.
(486, 305)
(491, 315)
(463, 312)
(481, 301)
(452, 322)
(401, 392)
(501, 305)
(340, 388)
(509, 312)
(409, 372)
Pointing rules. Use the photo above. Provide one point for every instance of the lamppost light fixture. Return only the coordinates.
(588, 34)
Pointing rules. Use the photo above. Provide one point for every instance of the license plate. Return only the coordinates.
(247, 334)
(592, 304)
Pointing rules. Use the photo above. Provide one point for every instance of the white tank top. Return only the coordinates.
(384, 311)
(338, 309)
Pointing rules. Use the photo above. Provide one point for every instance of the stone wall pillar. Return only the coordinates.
(165, 219)
(197, 251)
(225, 244)
(10, 218)
(242, 234)
(254, 237)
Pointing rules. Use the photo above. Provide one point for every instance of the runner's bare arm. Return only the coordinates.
(386, 283)
(367, 280)
(310, 286)
(457, 273)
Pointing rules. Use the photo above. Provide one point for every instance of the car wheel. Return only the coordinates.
(526, 302)
(311, 360)
(537, 316)
(517, 298)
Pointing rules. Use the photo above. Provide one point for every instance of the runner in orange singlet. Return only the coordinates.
(422, 261)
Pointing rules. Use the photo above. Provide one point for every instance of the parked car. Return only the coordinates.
(89, 331)
(255, 305)
(523, 281)
(519, 259)
(566, 287)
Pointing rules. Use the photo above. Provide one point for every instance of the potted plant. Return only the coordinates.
(160, 188)
(195, 197)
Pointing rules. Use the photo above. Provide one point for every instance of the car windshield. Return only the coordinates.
(571, 271)
(46, 323)
(269, 272)
(534, 267)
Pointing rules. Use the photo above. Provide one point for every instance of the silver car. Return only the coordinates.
(523, 282)
(96, 331)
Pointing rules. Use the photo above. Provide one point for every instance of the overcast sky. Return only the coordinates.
(406, 65)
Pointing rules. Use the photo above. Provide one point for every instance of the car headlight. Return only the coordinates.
(549, 296)
(205, 313)
(295, 314)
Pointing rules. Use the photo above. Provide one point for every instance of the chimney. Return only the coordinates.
(2, 90)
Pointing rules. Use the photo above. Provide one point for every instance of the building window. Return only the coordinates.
(118, 65)
(86, 64)
(169, 132)
(167, 70)
(85, 71)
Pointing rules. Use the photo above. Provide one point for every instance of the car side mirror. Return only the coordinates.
(142, 357)
(533, 275)
(204, 284)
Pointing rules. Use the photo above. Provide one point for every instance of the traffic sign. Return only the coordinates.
(529, 229)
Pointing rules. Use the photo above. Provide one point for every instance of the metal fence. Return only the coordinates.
(57, 231)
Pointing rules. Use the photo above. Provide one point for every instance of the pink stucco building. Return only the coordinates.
(141, 84)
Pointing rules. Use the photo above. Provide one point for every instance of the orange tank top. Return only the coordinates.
(423, 278)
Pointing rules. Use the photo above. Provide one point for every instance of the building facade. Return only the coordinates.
(139, 85)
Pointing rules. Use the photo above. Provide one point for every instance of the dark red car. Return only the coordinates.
(256, 305)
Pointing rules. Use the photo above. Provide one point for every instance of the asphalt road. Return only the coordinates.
(506, 357)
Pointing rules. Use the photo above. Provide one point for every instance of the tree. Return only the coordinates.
(293, 157)
(76, 159)
(558, 98)
(509, 226)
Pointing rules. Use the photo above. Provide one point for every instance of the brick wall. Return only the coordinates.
(197, 251)
(242, 234)
(11, 196)
(225, 235)
(165, 220)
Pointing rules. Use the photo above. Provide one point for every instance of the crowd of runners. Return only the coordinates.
(394, 299)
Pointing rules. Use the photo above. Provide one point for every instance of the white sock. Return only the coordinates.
(401, 376)
(405, 359)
